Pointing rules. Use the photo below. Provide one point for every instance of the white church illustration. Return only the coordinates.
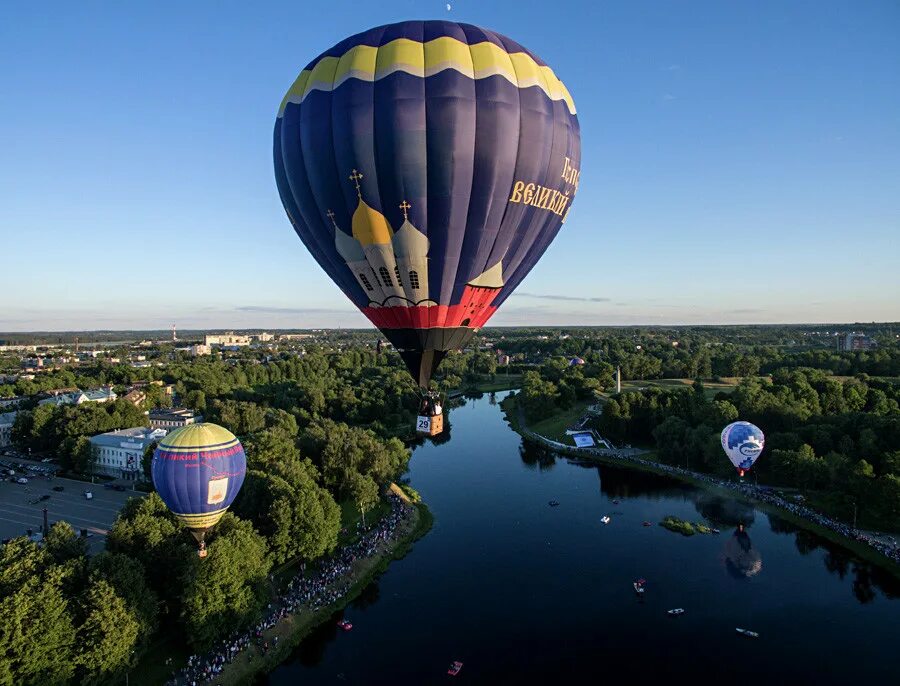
(392, 266)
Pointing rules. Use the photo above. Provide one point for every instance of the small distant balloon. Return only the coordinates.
(742, 443)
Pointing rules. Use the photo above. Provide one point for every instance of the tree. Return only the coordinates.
(364, 492)
(127, 578)
(342, 450)
(109, 632)
(36, 631)
(298, 517)
(147, 459)
(148, 532)
(226, 590)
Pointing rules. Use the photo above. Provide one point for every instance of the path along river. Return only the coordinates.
(522, 592)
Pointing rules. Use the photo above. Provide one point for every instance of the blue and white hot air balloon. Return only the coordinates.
(742, 442)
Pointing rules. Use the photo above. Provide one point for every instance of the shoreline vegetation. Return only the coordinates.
(287, 633)
(517, 422)
(684, 527)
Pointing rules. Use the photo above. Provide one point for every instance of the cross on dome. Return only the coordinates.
(405, 206)
(355, 177)
(330, 215)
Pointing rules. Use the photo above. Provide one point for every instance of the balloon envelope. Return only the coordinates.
(198, 470)
(742, 443)
(427, 165)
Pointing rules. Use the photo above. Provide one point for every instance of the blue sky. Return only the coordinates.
(741, 161)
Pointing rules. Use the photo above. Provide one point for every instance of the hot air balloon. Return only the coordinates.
(198, 470)
(742, 443)
(427, 165)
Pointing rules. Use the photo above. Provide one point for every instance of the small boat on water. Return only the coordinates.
(344, 624)
(553, 503)
(747, 632)
(615, 502)
(647, 524)
(639, 586)
(455, 666)
(604, 519)
(715, 531)
(676, 611)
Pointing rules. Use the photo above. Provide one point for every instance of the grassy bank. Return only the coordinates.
(553, 426)
(294, 628)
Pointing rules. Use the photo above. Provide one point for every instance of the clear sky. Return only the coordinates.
(741, 161)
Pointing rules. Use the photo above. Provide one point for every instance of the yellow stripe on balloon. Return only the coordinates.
(477, 61)
(201, 521)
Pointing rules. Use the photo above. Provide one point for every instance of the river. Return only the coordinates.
(522, 592)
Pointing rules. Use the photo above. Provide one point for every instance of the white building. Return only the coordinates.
(168, 419)
(100, 395)
(200, 349)
(121, 453)
(7, 419)
(229, 339)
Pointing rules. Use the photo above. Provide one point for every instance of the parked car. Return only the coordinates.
(21, 480)
(58, 488)
(88, 495)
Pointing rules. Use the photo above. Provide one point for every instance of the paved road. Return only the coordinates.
(19, 511)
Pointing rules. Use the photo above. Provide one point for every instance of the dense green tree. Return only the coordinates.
(127, 578)
(343, 450)
(37, 627)
(228, 589)
(108, 634)
(287, 505)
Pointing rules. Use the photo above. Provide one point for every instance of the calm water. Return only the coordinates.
(522, 592)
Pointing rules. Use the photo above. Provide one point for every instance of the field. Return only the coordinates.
(725, 385)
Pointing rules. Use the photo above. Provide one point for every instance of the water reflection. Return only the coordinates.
(742, 560)
(724, 512)
(536, 457)
(867, 578)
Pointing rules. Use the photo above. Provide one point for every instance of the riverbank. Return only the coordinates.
(310, 599)
(799, 515)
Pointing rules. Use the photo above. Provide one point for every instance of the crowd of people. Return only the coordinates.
(763, 494)
(306, 592)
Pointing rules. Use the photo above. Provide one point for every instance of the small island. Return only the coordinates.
(684, 527)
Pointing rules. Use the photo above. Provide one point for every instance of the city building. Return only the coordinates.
(76, 397)
(165, 418)
(229, 339)
(120, 454)
(6, 403)
(200, 349)
(264, 337)
(7, 419)
(855, 341)
(136, 397)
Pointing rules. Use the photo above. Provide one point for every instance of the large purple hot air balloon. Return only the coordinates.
(198, 471)
(427, 165)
